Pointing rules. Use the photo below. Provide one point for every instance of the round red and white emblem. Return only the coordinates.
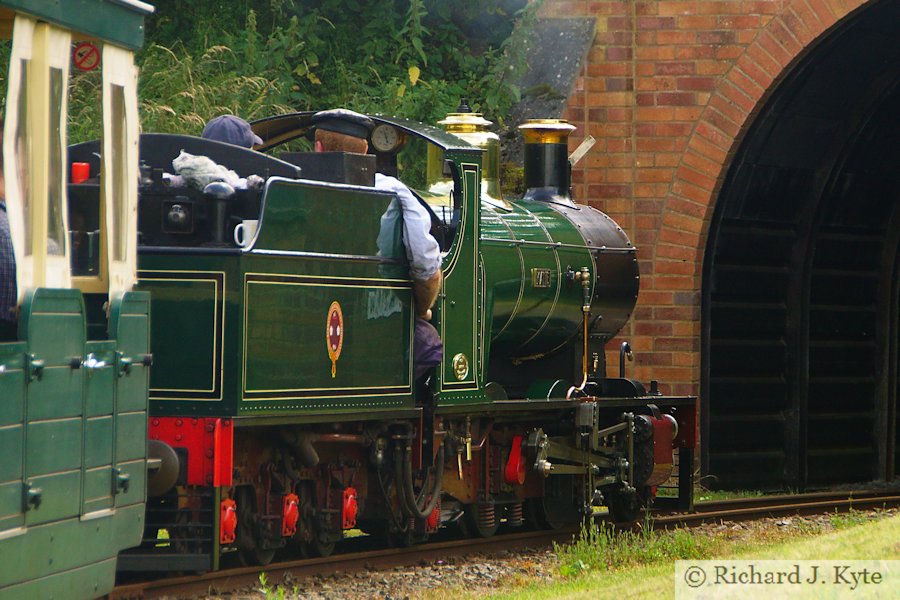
(334, 334)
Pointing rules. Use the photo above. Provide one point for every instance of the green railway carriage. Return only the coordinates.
(73, 373)
(284, 403)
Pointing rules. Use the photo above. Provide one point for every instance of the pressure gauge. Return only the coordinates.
(386, 138)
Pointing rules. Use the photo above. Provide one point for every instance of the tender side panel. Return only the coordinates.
(187, 332)
(327, 323)
(325, 341)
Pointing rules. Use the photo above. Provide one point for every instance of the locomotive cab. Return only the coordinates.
(174, 211)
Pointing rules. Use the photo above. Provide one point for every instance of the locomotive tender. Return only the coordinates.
(74, 357)
(284, 405)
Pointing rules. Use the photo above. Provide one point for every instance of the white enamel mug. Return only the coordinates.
(245, 232)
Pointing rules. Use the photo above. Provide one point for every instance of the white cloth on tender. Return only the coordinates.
(422, 249)
(200, 171)
(173, 180)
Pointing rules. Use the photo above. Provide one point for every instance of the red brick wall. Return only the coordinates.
(667, 89)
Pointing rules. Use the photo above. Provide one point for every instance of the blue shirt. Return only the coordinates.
(8, 296)
(422, 250)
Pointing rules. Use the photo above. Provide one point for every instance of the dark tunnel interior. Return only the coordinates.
(800, 297)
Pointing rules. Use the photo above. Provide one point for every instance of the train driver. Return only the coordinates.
(231, 130)
(341, 130)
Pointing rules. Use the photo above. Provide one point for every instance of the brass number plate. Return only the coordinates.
(540, 278)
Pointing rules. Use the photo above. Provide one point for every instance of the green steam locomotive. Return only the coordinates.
(285, 409)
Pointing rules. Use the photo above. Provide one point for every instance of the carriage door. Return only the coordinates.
(51, 320)
(115, 435)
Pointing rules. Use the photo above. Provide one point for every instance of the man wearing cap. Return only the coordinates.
(231, 130)
(341, 130)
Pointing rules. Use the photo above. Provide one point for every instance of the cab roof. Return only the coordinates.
(284, 128)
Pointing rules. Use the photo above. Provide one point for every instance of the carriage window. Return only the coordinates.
(23, 156)
(119, 161)
(55, 233)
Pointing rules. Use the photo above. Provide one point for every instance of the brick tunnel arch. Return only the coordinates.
(789, 184)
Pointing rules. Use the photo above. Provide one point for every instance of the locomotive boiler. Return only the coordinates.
(284, 405)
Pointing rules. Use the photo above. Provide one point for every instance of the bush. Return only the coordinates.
(410, 58)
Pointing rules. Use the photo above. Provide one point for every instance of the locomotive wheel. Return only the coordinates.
(479, 520)
(557, 508)
(256, 557)
(317, 549)
(625, 507)
(313, 547)
(402, 539)
(248, 525)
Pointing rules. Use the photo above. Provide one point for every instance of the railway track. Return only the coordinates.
(741, 509)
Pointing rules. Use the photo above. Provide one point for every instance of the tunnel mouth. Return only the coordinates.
(800, 297)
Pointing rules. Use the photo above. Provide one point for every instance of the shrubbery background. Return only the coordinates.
(256, 58)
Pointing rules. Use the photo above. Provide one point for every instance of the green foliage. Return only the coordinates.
(851, 518)
(271, 593)
(180, 92)
(702, 494)
(255, 58)
(602, 547)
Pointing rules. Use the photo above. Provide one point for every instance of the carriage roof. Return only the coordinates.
(120, 22)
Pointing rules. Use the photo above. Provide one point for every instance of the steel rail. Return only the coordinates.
(739, 509)
(754, 501)
(232, 579)
(744, 510)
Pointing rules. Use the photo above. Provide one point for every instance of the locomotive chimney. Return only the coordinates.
(547, 168)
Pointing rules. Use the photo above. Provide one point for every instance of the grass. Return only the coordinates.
(704, 495)
(850, 518)
(621, 568)
(605, 548)
(701, 494)
(605, 562)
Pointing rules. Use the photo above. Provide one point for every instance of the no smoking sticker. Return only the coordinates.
(86, 56)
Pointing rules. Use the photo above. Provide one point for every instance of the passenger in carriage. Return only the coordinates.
(7, 262)
(341, 130)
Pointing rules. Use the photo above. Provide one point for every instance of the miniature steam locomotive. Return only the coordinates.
(284, 406)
